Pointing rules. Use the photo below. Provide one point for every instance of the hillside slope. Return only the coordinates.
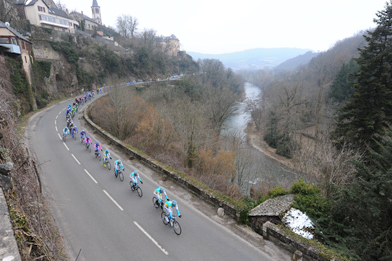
(253, 59)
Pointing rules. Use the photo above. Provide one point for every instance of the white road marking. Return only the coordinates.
(55, 122)
(75, 159)
(56, 128)
(57, 116)
(59, 136)
(65, 145)
(90, 176)
(107, 194)
(150, 237)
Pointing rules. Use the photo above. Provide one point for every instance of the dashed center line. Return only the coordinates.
(59, 136)
(118, 205)
(65, 145)
(91, 176)
(57, 116)
(56, 129)
(151, 238)
(75, 159)
(55, 122)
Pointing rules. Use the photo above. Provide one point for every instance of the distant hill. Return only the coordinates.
(253, 59)
(294, 63)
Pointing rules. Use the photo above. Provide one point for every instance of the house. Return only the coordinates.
(13, 44)
(89, 23)
(46, 14)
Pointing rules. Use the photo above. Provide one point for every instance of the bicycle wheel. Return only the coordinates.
(109, 165)
(163, 215)
(155, 202)
(89, 149)
(130, 185)
(64, 138)
(121, 176)
(99, 157)
(176, 227)
(139, 191)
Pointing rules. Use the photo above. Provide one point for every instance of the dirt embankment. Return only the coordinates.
(255, 139)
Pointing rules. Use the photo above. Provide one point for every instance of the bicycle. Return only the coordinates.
(81, 140)
(74, 135)
(157, 203)
(137, 188)
(176, 225)
(98, 155)
(106, 163)
(119, 174)
(64, 137)
(88, 147)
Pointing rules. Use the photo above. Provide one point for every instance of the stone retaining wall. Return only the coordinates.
(159, 167)
(8, 246)
(273, 233)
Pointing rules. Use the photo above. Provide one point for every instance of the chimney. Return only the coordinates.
(66, 11)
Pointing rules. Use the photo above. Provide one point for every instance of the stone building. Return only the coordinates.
(89, 23)
(170, 44)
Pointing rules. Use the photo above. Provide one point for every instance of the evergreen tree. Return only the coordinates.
(341, 88)
(370, 108)
(361, 218)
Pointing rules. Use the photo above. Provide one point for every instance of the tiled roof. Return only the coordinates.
(2, 25)
(59, 12)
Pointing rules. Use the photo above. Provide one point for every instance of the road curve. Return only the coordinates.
(101, 218)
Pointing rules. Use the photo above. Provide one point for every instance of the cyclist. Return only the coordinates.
(117, 165)
(134, 176)
(88, 141)
(158, 194)
(65, 131)
(106, 155)
(83, 134)
(69, 120)
(97, 146)
(168, 209)
(74, 130)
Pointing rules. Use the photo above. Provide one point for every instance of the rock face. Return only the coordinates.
(5, 179)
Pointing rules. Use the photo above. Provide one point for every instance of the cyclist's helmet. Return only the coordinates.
(174, 203)
(162, 190)
(135, 172)
(106, 151)
(119, 162)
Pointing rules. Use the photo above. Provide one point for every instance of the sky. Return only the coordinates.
(217, 26)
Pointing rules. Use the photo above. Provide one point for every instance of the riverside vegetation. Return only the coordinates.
(332, 120)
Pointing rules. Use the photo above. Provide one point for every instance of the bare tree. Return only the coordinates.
(127, 25)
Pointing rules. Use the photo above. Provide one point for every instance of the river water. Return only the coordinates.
(264, 170)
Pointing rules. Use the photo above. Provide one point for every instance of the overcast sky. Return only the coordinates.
(217, 26)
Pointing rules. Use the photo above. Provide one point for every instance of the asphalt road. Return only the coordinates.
(100, 217)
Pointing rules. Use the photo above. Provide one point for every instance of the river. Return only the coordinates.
(264, 170)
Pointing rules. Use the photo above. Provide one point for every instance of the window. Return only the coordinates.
(14, 41)
(23, 45)
(54, 20)
(4, 40)
(41, 9)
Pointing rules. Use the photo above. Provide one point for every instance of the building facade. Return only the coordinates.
(39, 13)
(12, 43)
(89, 23)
